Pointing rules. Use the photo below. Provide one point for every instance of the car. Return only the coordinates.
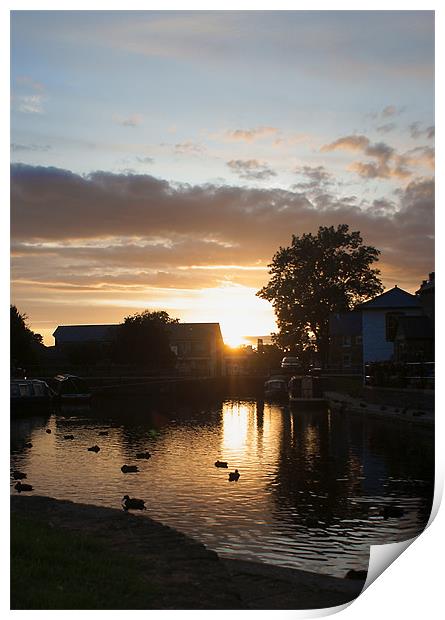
(291, 363)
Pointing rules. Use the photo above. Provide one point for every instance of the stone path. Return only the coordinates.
(189, 575)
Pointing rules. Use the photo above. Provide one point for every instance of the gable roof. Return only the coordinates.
(84, 333)
(394, 298)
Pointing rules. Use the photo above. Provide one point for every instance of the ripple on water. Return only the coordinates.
(303, 498)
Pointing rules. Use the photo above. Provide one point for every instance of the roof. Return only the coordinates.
(394, 298)
(345, 323)
(84, 333)
(415, 328)
(194, 331)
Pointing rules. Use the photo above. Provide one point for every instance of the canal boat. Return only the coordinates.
(306, 389)
(276, 388)
(69, 388)
(29, 394)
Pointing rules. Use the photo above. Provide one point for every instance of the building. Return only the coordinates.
(414, 340)
(239, 361)
(394, 326)
(380, 317)
(345, 341)
(68, 335)
(199, 348)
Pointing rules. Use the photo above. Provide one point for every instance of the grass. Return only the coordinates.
(55, 569)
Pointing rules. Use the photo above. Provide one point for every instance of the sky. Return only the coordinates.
(160, 159)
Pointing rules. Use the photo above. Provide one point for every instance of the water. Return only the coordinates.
(311, 485)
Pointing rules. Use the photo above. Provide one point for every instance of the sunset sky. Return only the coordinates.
(159, 159)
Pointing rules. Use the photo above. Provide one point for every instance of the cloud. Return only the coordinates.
(417, 131)
(387, 128)
(250, 135)
(388, 164)
(316, 177)
(391, 110)
(76, 229)
(134, 120)
(251, 169)
(145, 160)
(189, 148)
(29, 104)
(30, 147)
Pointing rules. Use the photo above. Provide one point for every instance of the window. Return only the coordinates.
(346, 361)
(392, 321)
(347, 340)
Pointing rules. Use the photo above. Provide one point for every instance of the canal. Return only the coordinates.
(311, 489)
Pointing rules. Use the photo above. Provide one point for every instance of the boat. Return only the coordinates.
(306, 389)
(276, 388)
(69, 388)
(30, 394)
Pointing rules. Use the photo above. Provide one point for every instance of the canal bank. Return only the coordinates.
(187, 574)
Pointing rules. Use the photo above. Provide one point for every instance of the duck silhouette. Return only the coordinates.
(93, 449)
(18, 475)
(28, 445)
(48, 430)
(143, 455)
(221, 464)
(126, 469)
(132, 503)
(68, 436)
(22, 487)
(234, 475)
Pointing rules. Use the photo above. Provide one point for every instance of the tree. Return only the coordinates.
(317, 275)
(143, 339)
(25, 344)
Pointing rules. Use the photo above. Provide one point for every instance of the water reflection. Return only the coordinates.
(310, 480)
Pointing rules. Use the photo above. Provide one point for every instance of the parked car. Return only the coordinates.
(291, 363)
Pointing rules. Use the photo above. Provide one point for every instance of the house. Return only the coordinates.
(199, 348)
(345, 341)
(239, 361)
(426, 296)
(414, 340)
(380, 318)
(369, 333)
(68, 335)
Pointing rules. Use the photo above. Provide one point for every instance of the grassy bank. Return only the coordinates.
(55, 569)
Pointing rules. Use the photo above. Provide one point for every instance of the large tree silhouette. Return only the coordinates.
(142, 339)
(317, 275)
(25, 344)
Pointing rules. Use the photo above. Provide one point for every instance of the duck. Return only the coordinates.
(18, 475)
(68, 436)
(48, 430)
(221, 464)
(93, 449)
(28, 445)
(234, 475)
(104, 433)
(132, 503)
(22, 487)
(393, 512)
(143, 455)
(125, 469)
(356, 574)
